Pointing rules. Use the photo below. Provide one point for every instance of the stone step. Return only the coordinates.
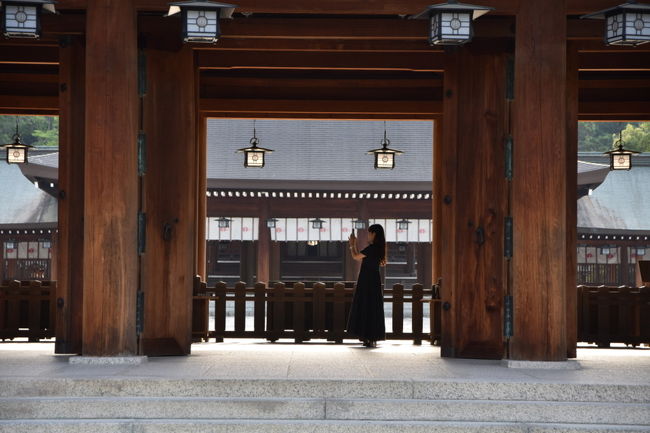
(186, 408)
(315, 388)
(275, 426)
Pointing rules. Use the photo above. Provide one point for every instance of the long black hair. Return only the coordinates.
(380, 241)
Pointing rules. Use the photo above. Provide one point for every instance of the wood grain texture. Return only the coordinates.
(472, 223)
(572, 83)
(171, 197)
(111, 193)
(70, 245)
(202, 200)
(539, 188)
(263, 244)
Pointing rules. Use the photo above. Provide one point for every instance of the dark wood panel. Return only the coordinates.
(70, 244)
(614, 61)
(473, 155)
(27, 55)
(539, 274)
(111, 185)
(170, 192)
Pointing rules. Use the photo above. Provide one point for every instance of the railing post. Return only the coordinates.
(299, 312)
(318, 308)
(240, 308)
(398, 311)
(276, 311)
(416, 313)
(338, 316)
(260, 306)
(220, 311)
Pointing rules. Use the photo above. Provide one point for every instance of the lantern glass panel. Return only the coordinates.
(358, 225)
(224, 223)
(271, 222)
(254, 159)
(621, 161)
(640, 252)
(451, 28)
(16, 155)
(384, 160)
(403, 224)
(202, 25)
(637, 26)
(21, 21)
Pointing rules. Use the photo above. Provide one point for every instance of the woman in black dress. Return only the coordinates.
(366, 319)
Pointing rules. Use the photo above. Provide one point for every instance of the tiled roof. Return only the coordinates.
(21, 201)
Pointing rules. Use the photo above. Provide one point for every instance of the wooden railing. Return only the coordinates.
(305, 311)
(614, 315)
(27, 309)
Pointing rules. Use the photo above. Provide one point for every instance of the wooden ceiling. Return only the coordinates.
(350, 59)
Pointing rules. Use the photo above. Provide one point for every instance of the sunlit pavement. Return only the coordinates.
(392, 360)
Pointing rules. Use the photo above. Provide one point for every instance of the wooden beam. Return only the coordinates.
(429, 62)
(627, 108)
(111, 180)
(301, 83)
(37, 103)
(213, 106)
(29, 55)
(614, 61)
(539, 262)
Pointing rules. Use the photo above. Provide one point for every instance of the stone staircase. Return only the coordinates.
(153, 405)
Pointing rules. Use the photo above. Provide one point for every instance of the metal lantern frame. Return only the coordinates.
(358, 224)
(253, 154)
(223, 222)
(271, 223)
(627, 24)
(640, 251)
(385, 156)
(317, 223)
(22, 15)
(403, 224)
(605, 250)
(17, 152)
(451, 23)
(620, 158)
(205, 14)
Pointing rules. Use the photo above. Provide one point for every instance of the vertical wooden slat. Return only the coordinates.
(68, 260)
(298, 293)
(278, 310)
(33, 294)
(540, 161)
(220, 311)
(318, 306)
(417, 316)
(259, 309)
(240, 308)
(13, 307)
(110, 181)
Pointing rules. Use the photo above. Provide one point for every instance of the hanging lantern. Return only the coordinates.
(626, 24)
(384, 156)
(22, 18)
(17, 151)
(605, 250)
(640, 251)
(201, 19)
(620, 158)
(254, 155)
(358, 224)
(317, 223)
(271, 223)
(223, 223)
(403, 224)
(451, 22)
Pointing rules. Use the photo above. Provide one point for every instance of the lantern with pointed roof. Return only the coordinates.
(22, 18)
(17, 151)
(385, 156)
(451, 22)
(620, 158)
(201, 19)
(626, 24)
(254, 155)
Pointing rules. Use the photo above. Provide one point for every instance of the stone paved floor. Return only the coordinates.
(257, 359)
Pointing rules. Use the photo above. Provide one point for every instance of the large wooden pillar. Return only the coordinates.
(170, 202)
(539, 188)
(69, 241)
(473, 191)
(201, 183)
(110, 272)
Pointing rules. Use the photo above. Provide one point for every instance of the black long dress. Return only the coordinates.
(366, 320)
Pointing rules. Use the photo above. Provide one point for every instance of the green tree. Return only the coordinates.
(34, 130)
(600, 136)
(637, 137)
